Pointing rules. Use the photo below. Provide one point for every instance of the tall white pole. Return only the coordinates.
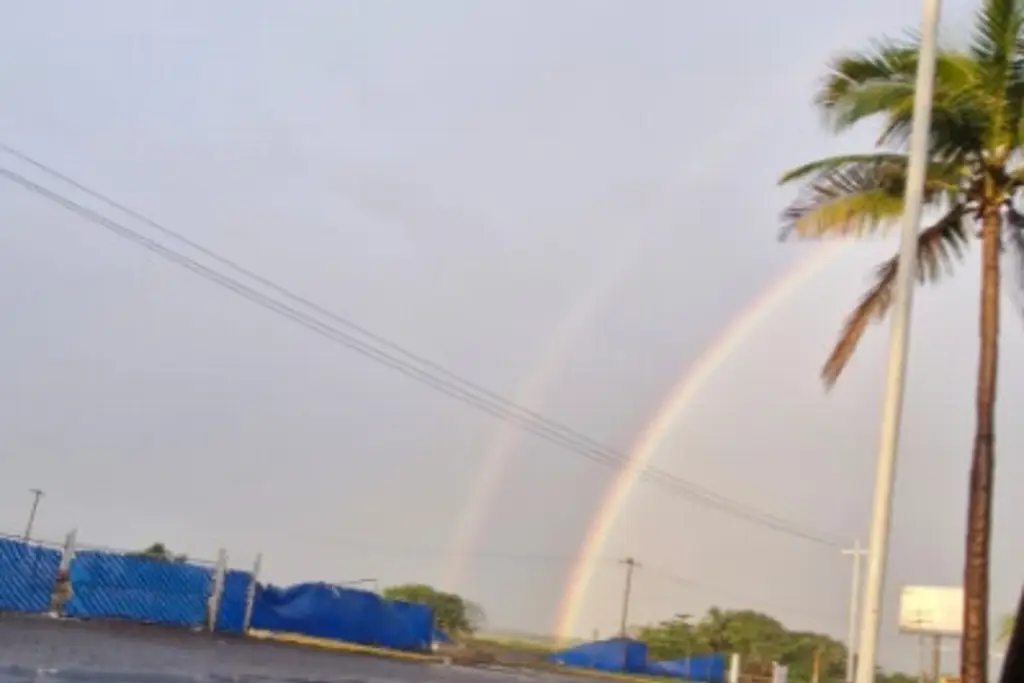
(878, 543)
(851, 633)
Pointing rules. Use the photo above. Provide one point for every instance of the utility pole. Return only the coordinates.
(857, 553)
(631, 564)
(922, 658)
(36, 495)
(902, 298)
(936, 658)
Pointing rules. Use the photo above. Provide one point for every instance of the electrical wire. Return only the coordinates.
(431, 374)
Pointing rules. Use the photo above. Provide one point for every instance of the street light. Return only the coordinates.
(881, 514)
(36, 495)
(362, 582)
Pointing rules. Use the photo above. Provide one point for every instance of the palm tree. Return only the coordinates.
(974, 175)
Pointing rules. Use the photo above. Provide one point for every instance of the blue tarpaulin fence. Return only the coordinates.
(325, 611)
(115, 586)
(618, 655)
(706, 668)
(232, 602)
(622, 655)
(27, 575)
(111, 585)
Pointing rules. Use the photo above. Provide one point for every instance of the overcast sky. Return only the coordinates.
(565, 201)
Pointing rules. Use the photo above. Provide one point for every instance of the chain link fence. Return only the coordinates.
(79, 582)
(93, 582)
(28, 574)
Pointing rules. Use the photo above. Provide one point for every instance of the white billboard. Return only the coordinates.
(937, 610)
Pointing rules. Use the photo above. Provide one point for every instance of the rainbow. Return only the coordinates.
(697, 375)
(498, 455)
(732, 137)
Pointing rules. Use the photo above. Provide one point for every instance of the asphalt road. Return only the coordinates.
(40, 649)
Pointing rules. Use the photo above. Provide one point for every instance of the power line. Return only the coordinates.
(441, 379)
(545, 428)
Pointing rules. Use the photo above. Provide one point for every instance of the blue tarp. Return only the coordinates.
(324, 611)
(710, 668)
(114, 586)
(109, 585)
(408, 623)
(231, 612)
(27, 576)
(617, 655)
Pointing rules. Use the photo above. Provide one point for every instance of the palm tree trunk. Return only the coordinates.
(974, 645)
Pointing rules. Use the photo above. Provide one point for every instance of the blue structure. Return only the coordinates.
(114, 586)
(325, 611)
(27, 575)
(110, 585)
(231, 613)
(618, 655)
(707, 668)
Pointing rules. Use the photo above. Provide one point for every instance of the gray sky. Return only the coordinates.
(464, 178)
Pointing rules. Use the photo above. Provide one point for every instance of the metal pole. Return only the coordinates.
(922, 660)
(250, 593)
(851, 633)
(36, 495)
(936, 658)
(630, 566)
(362, 582)
(878, 543)
(216, 590)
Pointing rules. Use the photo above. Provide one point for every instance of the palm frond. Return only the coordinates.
(961, 124)
(938, 247)
(997, 30)
(830, 163)
(886, 61)
(998, 33)
(863, 84)
(854, 195)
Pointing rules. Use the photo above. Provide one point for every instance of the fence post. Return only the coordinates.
(68, 552)
(213, 606)
(734, 668)
(250, 594)
(61, 592)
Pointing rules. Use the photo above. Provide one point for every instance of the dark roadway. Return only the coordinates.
(41, 649)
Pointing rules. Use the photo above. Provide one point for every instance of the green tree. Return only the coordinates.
(160, 553)
(801, 649)
(973, 179)
(674, 638)
(759, 638)
(894, 677)
(453, 614)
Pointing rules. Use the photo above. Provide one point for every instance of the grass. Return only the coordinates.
(342, 646)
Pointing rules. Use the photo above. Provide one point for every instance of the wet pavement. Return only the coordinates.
(38, 649)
